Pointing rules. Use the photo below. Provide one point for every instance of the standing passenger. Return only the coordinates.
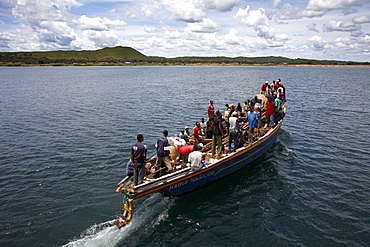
(203, 126)
(263, 88)
(252, 121)
(209, 128)
(162, 142)
(277, 109)
(197, 132)
(233, 131)
(211, 110)
(138, 159)
(270, 112)
(217, 134)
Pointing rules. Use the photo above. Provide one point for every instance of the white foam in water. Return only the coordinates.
(153, 209)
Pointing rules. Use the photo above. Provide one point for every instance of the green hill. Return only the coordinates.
(122, 55)
(109, 54)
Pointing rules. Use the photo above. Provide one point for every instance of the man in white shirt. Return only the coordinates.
(195, 159)
(233, 131)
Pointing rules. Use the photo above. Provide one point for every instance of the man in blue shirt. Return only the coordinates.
(138, 159)
(162, 142)
(252, 120)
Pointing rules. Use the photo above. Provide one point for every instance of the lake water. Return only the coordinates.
(66, 133)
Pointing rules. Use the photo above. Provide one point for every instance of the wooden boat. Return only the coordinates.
(185, 180)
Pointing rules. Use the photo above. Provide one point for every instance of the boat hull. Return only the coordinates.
(222, 168)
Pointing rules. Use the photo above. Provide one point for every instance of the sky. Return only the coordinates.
(311, 29)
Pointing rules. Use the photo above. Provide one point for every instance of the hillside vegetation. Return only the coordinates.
(125, 55)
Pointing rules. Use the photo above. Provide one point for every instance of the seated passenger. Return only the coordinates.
(195, 159)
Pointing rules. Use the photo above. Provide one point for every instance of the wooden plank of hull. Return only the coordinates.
(182, 182)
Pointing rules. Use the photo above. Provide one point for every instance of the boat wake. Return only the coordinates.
(150, 211)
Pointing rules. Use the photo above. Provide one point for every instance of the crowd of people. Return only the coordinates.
(241, 124)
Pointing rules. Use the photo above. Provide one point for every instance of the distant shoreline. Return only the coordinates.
(174, 64)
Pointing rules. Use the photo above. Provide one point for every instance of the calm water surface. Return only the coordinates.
(66, 133)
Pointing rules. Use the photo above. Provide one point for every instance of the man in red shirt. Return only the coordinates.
(270, 112)
(197, 132)
(185, 151)
(263, 88)
(211, 109)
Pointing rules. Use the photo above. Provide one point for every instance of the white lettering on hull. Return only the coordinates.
(197, 178)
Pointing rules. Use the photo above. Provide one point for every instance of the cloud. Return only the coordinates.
(186, 11)
(46, 21)
(98, 24)
(205, 26)
(252, 18)
(5, 39)
(56, 32)
(220, 5)
(232, 37)
(276, 3)
(318, 43)
(312, 27)
(320, 5)
(195, 10)
(362, 19)
(332, 26)
(357, 33)
(343, 41)
(101, 38)
(315, 8)
(260, 22)
(364, 40)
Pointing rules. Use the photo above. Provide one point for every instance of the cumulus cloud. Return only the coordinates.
(252, 18)
(312, 27)
(276, 3)
(320, 5)
(205, 26)
(220, 5)
(315, 8)
(101, 38)
(362, 19)
(343, 41)
(357, 33)
(5, 39)
(364, 40)
(260, 22)
(186, 11)
(56, 32)
(46, 20)
(195, 10)
(318, 43)
(99, 24)
(332, 26)
(232, 37)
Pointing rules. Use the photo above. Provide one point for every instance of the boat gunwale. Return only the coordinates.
(190, 174)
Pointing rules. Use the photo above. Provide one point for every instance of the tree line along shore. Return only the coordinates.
(123, 56)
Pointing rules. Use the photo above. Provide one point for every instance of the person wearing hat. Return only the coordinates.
(186, 129)
(163, 151)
